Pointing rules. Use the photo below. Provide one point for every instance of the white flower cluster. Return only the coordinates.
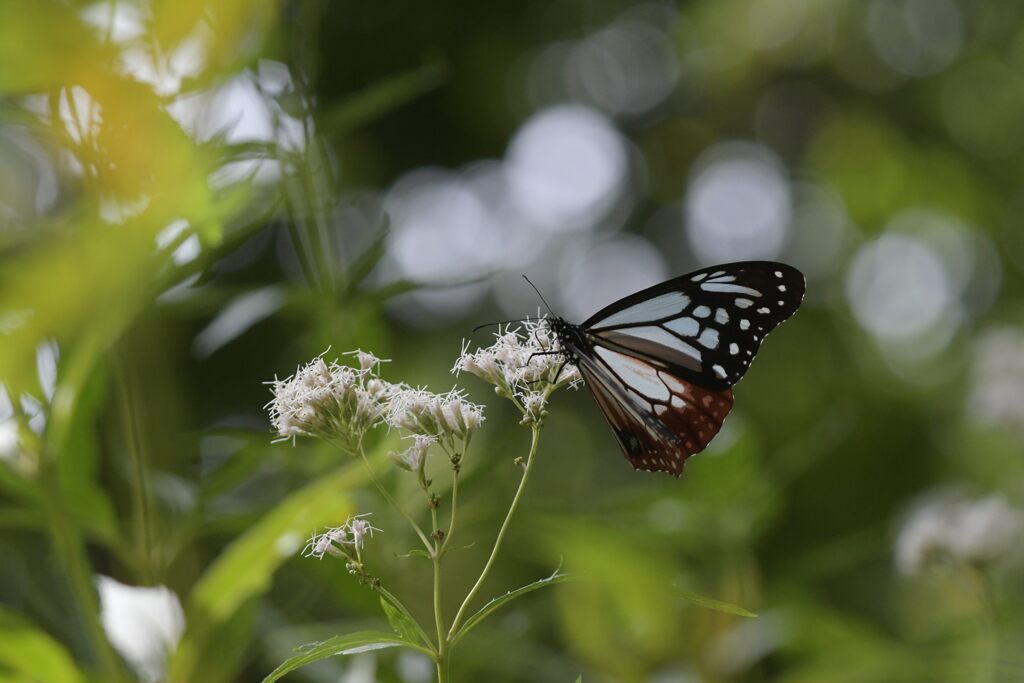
(341, 540)
(427, 414)
(341, 402)
(953, 527)
(997, 393)
(524, 364)
(330, 400)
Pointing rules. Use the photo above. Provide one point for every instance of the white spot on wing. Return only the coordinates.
(764, 310)
(698, 277)
(719, 370)
(729, 289)
(744, 303)
(721, 316)
(734, 348)
(744, 324)
(688, 327)
(709, 338)
(674, 384)
(702, 311)
(661, 306)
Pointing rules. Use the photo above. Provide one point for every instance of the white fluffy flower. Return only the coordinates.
(414, 457)
(330, 400)
(949, 525)
(435, 415)
(524, 363)
(338, 540)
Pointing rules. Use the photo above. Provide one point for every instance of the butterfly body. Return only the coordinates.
(661, 362)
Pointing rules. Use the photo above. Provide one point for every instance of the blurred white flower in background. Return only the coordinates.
(143, 624)
(948, 525)
(997, 378)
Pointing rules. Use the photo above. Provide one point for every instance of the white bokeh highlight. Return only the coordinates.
(596, 277)
(567, 167)
(738, 204)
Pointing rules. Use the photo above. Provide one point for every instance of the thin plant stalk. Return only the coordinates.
(387, 496)
(535, 437)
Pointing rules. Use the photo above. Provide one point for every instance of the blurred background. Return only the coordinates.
(198, 196)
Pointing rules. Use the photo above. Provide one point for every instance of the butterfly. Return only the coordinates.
(661, 363)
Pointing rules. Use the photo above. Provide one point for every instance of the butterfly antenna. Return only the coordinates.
(539, 294)
(499, 322)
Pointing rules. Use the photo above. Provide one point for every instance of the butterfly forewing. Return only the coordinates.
(659, 419)
(704, 327)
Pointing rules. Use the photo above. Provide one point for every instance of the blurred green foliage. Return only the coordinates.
(153, 273)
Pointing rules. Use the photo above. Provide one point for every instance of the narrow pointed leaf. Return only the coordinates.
(353, 643)
(401, 622)
(718, 605)
(502, 600)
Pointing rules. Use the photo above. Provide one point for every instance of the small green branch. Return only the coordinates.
(387, 496)
(535, 438)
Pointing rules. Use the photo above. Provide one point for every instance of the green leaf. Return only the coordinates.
(502, 600)
(401, 622)
(30, 651)
(579, 679)
(244, 570)
(718, 605)
(350, 644)
(381, 98)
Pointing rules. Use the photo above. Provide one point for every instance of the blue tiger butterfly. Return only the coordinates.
(661, 363)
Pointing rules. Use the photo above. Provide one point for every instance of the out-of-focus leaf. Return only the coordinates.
(717, 605)
(378, 99)
(237, 317)
(503, 600)
(31, 653)
(367, 261)
(78, 461)
(41, 44)
(400, 621)
(350, 644)
(245, 568)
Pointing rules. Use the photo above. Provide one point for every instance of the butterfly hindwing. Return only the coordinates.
(659, 419)
(705, 326)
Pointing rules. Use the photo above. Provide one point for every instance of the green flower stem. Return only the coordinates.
(387, 496)
(501, 533)
(451, 520)
(455, 494)
(435, 558)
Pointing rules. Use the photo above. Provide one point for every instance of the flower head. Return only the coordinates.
(414, 457)
(951, 526)
(525, 364)
(341, 540)
(330, 400)
(434, 415)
